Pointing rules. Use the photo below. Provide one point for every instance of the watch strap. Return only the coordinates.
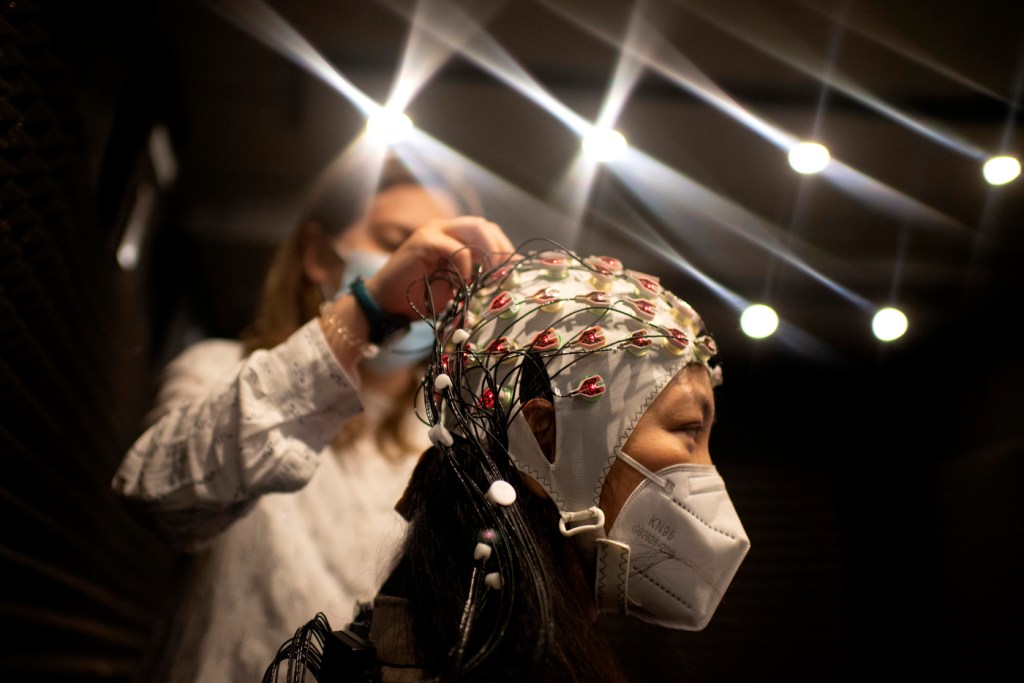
(382, 323)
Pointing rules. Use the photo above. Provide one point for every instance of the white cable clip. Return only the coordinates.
(493, 580)
(592, 512)
(439, 436)
(482, 552)
(460, 335)
(500, 493)
(442, 382)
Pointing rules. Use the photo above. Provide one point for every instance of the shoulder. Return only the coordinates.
(213, 349)
(208, 357)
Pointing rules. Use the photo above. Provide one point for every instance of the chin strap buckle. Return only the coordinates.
(593, 512)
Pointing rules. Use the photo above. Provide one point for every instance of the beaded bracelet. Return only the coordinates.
(366, 349)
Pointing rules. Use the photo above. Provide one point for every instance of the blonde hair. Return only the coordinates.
(289, 298)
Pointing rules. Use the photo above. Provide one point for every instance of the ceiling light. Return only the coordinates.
(604, 144)
(1001, 170)
(759, 321)
(889, 324)
(808, 157)
(388, 127)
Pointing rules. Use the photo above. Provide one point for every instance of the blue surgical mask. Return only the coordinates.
(403, 350)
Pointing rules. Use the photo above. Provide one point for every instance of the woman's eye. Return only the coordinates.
(691, 428)
(390, 237)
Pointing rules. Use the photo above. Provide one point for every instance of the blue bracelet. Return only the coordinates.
(382, 323)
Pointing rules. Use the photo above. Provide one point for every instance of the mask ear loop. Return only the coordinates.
(661, 482)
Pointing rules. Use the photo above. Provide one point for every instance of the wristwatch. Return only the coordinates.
(382, 323)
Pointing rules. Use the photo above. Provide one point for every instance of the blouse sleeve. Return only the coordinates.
(227, 434)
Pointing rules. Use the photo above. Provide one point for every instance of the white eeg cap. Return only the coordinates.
(610, 339)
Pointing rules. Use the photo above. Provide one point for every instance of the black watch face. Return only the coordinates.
(388, 333)
(397, 335)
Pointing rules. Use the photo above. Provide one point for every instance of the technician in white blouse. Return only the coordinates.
(226, 469)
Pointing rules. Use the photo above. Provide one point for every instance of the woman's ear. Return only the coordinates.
(320, 262)
(539, 413)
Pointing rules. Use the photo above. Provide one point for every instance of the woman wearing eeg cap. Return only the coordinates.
(570, 403)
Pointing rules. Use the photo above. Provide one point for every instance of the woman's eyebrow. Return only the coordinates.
(708, 408)
(696, 396)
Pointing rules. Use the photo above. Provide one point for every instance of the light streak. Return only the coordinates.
(784, 50)
(268, 27)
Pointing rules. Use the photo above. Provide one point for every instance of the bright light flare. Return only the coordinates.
(670, 195)
(759, 321)
(604, 144)
(389, 127)
(1001, 170)
(809, 157)
(889, 324)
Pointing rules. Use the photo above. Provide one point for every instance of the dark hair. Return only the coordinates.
(540, 626)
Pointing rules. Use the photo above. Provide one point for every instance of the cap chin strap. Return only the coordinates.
(528, 457)
(611, 577)
(611, 558)
(611, 572)
(592, 512)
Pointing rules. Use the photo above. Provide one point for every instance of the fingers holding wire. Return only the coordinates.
(461, 243)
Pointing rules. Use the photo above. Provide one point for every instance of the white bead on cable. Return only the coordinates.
(482, 552)
(500, 493)
(439, 436)
(460, 335)
(442, 382)
(493, 580)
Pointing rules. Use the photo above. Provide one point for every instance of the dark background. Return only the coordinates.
(878, 483)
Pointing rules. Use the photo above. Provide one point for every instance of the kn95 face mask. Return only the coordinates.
(683, 542)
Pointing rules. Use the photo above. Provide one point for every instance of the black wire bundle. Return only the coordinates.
(481, 457)
(303, 652)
